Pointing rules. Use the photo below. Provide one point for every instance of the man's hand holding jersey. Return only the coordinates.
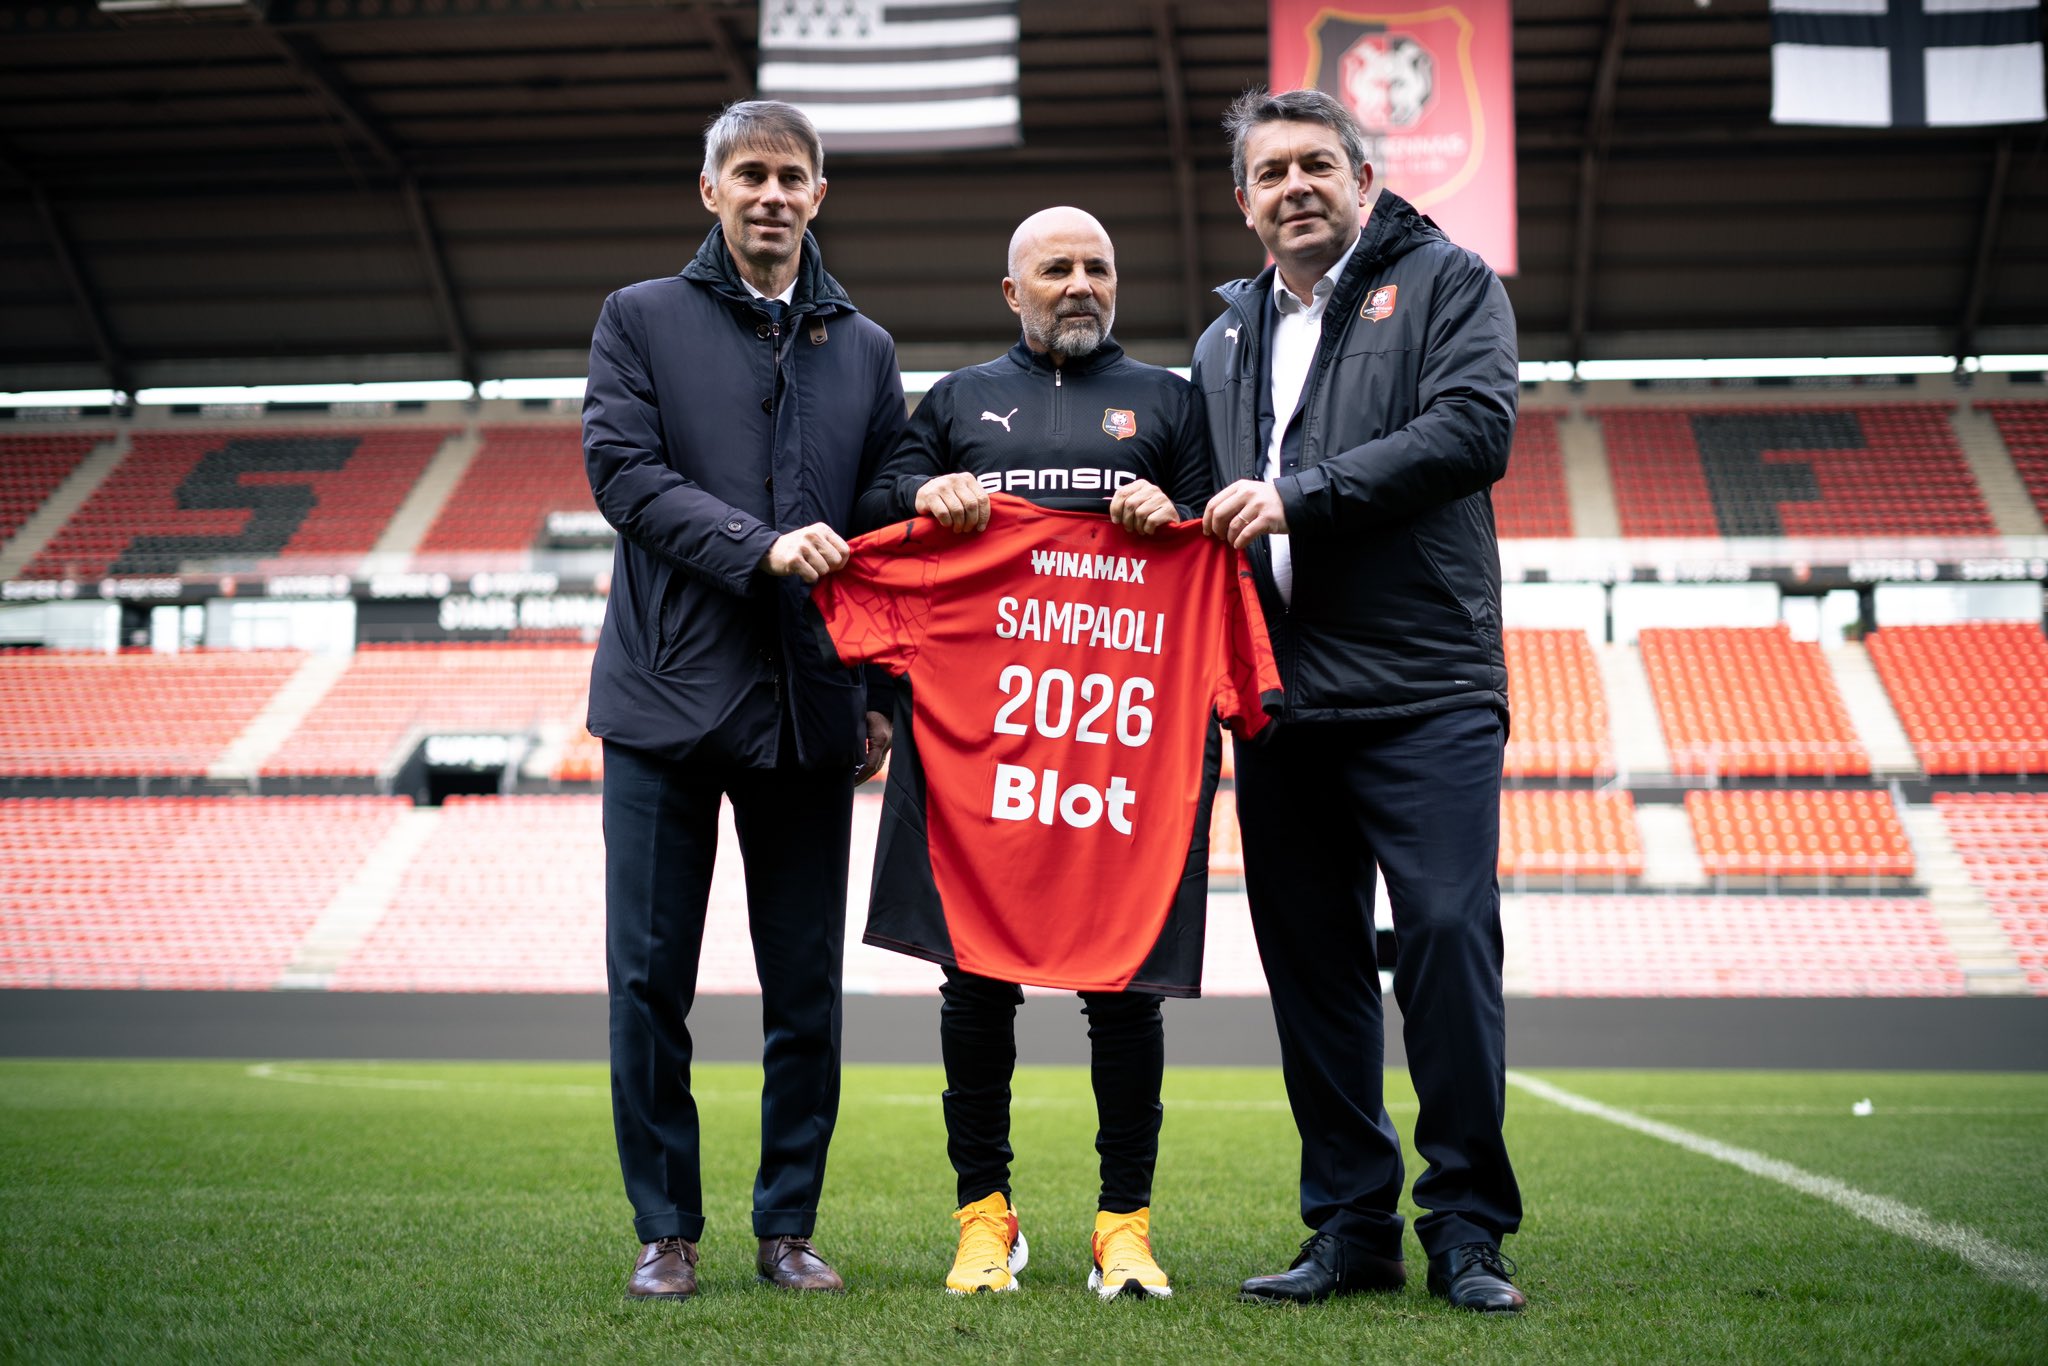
(958, 502)
(810, 552)
(1243, 512)
(1142, 507)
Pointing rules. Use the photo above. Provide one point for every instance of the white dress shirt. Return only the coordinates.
(1296, 333)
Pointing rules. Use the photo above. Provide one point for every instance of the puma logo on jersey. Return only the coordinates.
(987, 416)
(1071, 564)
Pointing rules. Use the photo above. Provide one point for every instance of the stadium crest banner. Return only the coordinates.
(1434, 89)
(1906, 63)
(896, 75)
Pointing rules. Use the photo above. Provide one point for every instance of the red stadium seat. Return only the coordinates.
(1973, 698)
(31, 468)
(2002, 839)
(1560, 706)
(1532, 500)
(520, 475)
(1799, 834)
(1749, 701)
(130, 714)
(393, 693)
(211, 893)
(135, 522)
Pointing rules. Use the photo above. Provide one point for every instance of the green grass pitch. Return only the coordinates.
(400, 1212)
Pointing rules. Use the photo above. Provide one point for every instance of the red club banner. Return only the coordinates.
(1434, 89)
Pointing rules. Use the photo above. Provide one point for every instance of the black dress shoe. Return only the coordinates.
(1327, 1266)
(1475, 1276)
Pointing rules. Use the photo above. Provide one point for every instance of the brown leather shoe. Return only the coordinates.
(792, 1263)
(666, 1270)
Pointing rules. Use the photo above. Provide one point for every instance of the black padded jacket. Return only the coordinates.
(1408, 412)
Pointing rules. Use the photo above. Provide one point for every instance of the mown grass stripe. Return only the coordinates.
(1993, 1259)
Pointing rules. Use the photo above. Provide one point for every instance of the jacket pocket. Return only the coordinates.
(667, 624)
(1433, 562)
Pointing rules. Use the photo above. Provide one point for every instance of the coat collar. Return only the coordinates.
(1101, 358)
(1392, 230)
(816, 292)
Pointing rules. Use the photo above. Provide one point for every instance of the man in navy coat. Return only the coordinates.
(734, 412)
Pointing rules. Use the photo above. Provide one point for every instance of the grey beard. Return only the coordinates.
(1073, 338)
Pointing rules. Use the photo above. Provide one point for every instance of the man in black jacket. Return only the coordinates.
(1361, 399)
(733, 413)
(1067, 420)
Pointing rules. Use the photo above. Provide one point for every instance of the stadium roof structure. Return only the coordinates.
(211, 191)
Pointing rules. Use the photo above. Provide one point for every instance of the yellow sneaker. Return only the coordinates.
(1123, 1257)
(992, 1249)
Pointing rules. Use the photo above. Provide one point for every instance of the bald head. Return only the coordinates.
(1058, 222)
(1062, 282)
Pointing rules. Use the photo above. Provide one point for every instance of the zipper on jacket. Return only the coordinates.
(1059, 411)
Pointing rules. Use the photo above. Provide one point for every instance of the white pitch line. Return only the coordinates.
(1994, 1259)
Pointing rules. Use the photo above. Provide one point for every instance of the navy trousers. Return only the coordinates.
(1319, 805)
(661, 833)
(1127, 1061)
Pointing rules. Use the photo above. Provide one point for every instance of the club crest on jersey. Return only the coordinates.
(1379, 304)
(1120, 423)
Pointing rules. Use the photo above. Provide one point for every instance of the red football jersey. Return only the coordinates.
(1064, 672)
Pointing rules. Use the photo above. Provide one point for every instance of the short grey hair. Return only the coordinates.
(751, 122)
(1259, 105)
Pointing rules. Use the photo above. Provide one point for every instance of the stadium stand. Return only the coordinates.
(1891, 469)
(391, 694)
(1728, 946)
(1799, 834)
(1973, 697)
(240, 496)
(508, 895)
(582, 759)
(1569, 834)
(1532, 500)
(2023, 426)
(2003, 841)
(130, 714)
(31, 468)
(203, 893)
(520, 475)
(1749, 701)
(1559, 704)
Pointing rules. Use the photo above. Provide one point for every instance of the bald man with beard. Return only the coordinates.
(1068, 421)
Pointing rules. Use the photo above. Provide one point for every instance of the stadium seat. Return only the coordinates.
(1838, 834)
(1728, 946)
(2002, 839)
(1532, 500)
(197, 893)
(520, 474)
(508, 895)
(2023, 426)
(1973, 697)
(1893, 469)
(1560, 706)
(130, 714)
(392, 694)
(31, 468)
(1749, 701)
(1546, 835)
(240, 497)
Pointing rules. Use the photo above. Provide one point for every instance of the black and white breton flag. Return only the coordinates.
(895, 75)
(1906, 63)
